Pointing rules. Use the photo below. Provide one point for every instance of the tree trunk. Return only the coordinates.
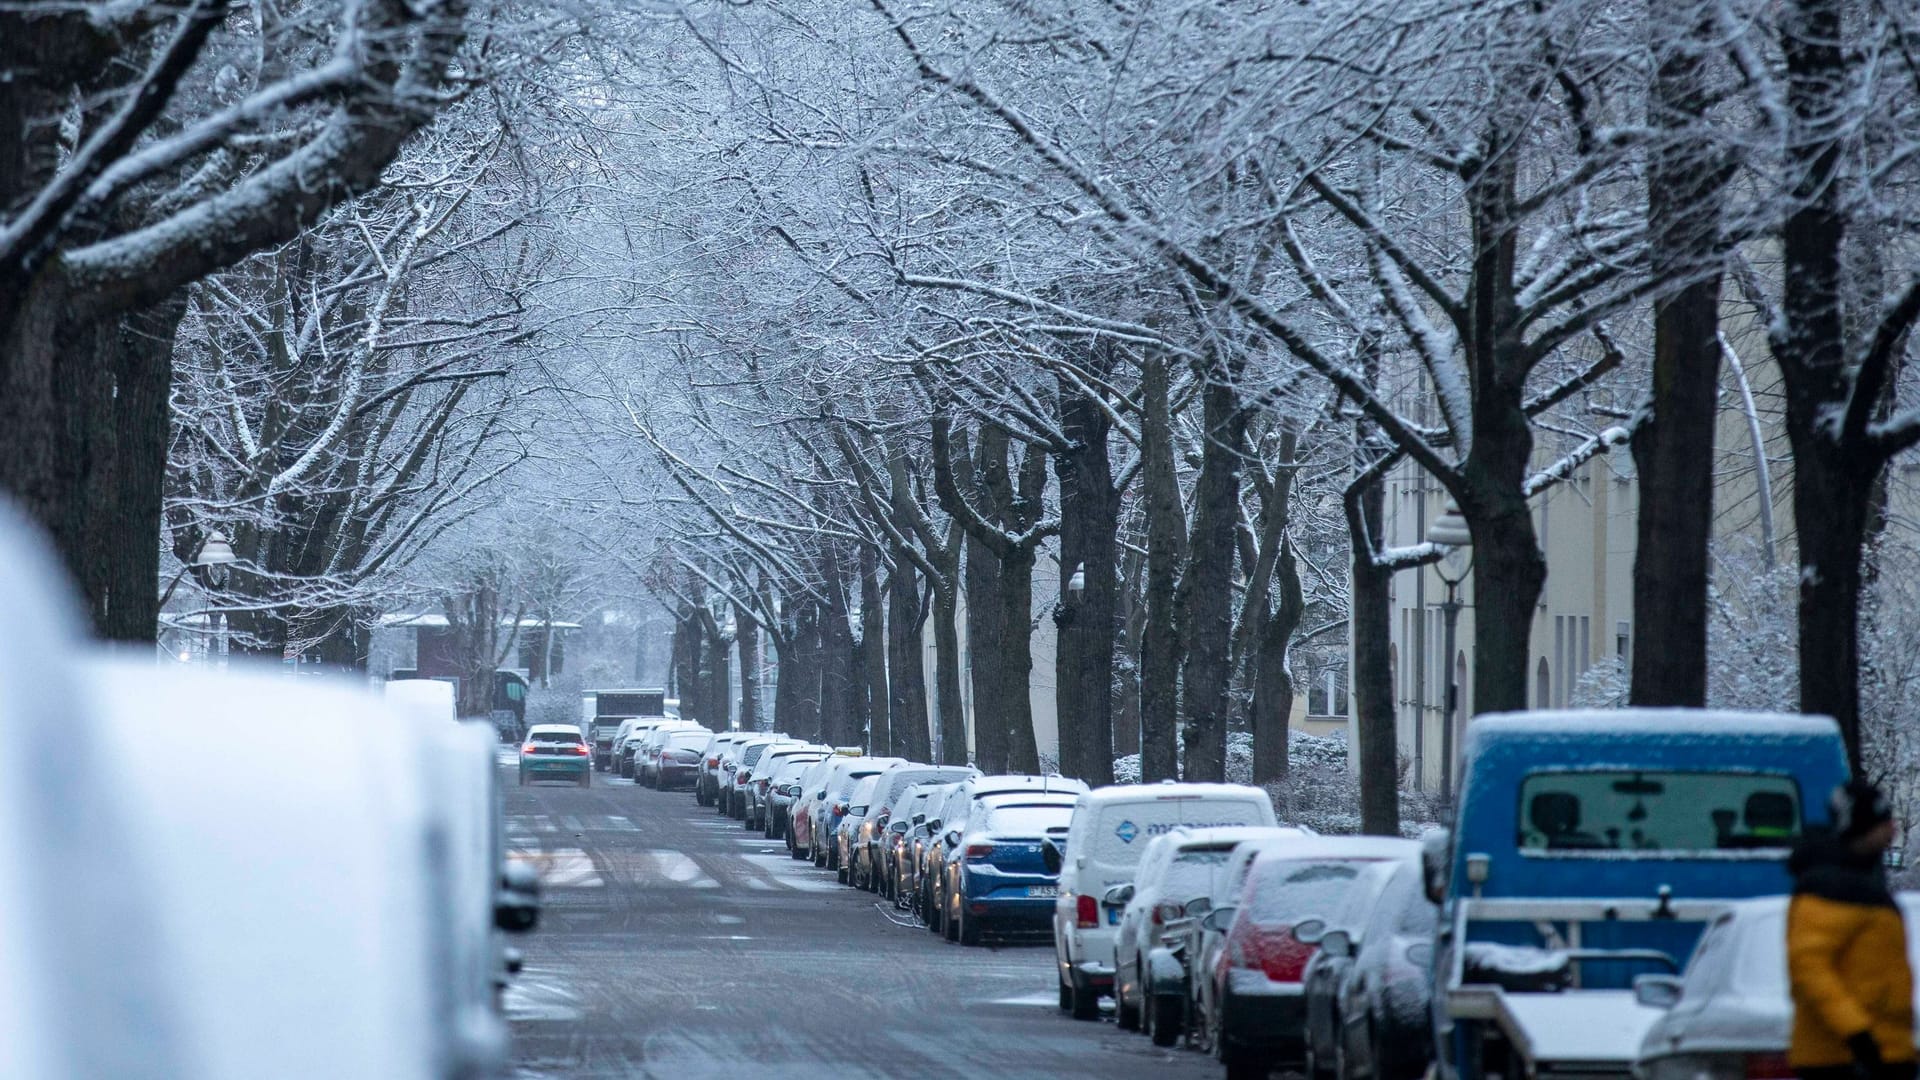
(873, 652)
(1014, 664)
(946, 675)
(985, 616)
(1205, 595)
(1272, 677)
(1160, 649)
(1089, 522)
(840, 683)
(143, 377)
(907, 679)
(747, 640)
(1372, 634)
(1673, 446)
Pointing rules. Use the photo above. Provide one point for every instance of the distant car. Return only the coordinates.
(1729, 1014)
(759, 788)
(645, 748)
(946, 847)
(556, 752)
(865, 837)
(679, 760)
(800, 839)
(1337, 938)
(834, 804)
(735, 792)
(1177, 869)
(997, 873)
(1261, 1012)
(898, 841)
(1203, 940)
(783, 787)
(706, 785)
(1111, 828)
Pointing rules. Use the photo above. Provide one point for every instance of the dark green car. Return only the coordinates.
(556, 752)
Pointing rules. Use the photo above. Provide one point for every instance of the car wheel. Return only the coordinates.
(969, 930)
(1124, 1015)
(1066, 992)
(950, 922)
(586, 779)
(1164, 1018)
(842, 877)
(1086, 1001)
(1242, 1064)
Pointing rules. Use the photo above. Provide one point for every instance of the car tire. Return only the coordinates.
(950, 922)
(1163, 1016)
(969, 934)
(1125, 1016)
(1242, 1064)
(586, 779)
(1066, 992)
(840, 875)
(1086, 1001)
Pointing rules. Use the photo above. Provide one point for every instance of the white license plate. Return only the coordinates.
(1043, 890)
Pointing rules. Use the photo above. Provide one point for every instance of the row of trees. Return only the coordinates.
(1165, 293)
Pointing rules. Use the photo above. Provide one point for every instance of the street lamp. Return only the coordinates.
(1450, 530)
(209, 564)
(1077, 584)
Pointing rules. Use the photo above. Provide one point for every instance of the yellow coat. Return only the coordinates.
(1848, 967)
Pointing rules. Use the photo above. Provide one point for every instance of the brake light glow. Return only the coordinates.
(527, 749)
(1273, 950)
(979, 851)
(579, 749)
(1768, 1067)
(713, 762)
(1086, 911)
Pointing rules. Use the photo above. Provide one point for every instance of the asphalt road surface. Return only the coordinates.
(676, 944)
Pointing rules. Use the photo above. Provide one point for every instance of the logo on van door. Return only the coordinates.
(1126, 831)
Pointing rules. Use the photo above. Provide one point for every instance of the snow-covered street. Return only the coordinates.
(677, 945)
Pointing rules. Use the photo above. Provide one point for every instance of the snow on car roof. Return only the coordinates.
(1639, 722)
(1232, 835)
(572, 729)
(1341, 847)
(1114, 793)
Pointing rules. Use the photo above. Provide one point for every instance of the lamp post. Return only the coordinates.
(1450, 530)
(209, 565)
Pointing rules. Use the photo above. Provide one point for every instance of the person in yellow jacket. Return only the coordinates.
(1847, 949)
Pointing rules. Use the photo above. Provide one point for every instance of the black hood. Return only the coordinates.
(1827, 866)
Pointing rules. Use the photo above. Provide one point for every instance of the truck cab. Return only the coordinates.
(1589, 848)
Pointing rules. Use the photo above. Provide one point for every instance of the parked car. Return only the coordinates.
(848, 826)
(628, 747)
(556, 752)
(783, 787)
(760, 788)
(997, 876)
(1176, 869)
(1729, 1016)
(647, 748)
(744, 761)
(618, 753)
(1381, 1005)
(1201, 939)
(1626, 830)
(813, 784)
(1111, 828)
(946, 848)
(706, 787)
(866, 840)
(1260, 1015)
(679, 760)
(911, 811)
(951, 812)
(832, 805)
(916, 845)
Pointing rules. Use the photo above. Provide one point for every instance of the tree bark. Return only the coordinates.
(946, 671)
(1272, 676)
(873, 652)
(1372, 634)
(1160, 649)
(1089, 523)
(984, 632)
(747, 640)
(1673, 445)
(1205, 595)
(907, 681)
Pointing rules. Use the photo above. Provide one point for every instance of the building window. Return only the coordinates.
(1327, 692)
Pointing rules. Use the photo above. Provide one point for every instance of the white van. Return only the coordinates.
(1110, 830)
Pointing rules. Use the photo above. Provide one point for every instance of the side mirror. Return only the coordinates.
(1051, 856)
(1218, 920)
(1336, 943)
(1420, 955)
(1198, 906)
(1436, 852)
(1118, 896)
(1309, 931)
(516, 907)
(953, 838)
(1657, 991)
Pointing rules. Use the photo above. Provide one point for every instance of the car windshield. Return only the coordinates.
(1027, 820)
(555, 737)
(689, 738)
(1124, 829)
(1192, 872)
(1597, 812)
(1294, 889)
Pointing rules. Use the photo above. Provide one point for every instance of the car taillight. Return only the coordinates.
(1086, 911)
(979, 851)
(580, 749)
(839, 808)
(713, 763)
(1166, 913)
(1274, 950)
(1768, 1067)
(527, 749)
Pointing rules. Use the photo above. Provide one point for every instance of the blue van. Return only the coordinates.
(1591, 847)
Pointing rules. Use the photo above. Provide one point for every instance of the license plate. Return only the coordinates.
(1043, 890)
(1113, 916)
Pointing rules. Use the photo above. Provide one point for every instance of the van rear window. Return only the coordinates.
(1602, 812)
